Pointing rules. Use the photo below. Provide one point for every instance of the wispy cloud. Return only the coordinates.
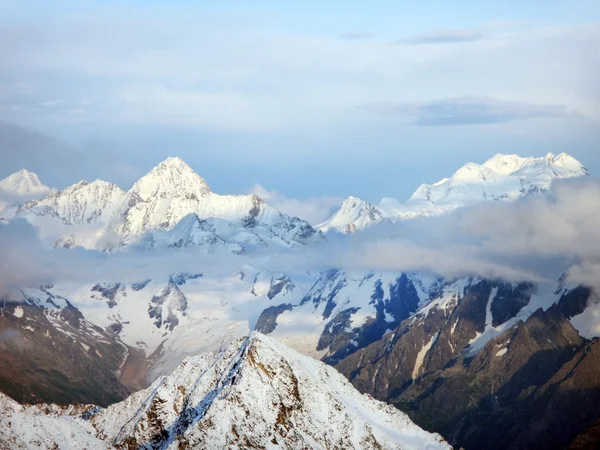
(468, 111)
(314, 210)
(450, 36)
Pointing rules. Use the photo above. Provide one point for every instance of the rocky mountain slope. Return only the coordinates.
(501, 178)
(256, 393)
(50, 352)
(490, 366)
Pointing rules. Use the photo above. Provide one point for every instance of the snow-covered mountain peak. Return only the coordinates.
(258, 393)
(172, 190)
(80, 203)
(171, 175)
(502, 177)
(506, 164)
(23, 182)
(563, 164)
(354, 214)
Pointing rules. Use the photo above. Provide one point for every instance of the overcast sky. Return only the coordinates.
(310, 99)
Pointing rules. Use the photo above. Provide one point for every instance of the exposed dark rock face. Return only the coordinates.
(536, 385)
(280, 283)
(140, 285)
(391, 303)
(109, 292)
(509, 300)
(267, 321)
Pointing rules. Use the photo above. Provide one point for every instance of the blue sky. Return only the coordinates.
(310, 99)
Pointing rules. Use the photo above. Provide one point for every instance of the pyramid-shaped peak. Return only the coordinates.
(173, 175)
(175, 162)
(352, 202)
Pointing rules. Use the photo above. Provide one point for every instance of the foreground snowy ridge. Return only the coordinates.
(256, 393)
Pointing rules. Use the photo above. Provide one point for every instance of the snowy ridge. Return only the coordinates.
(501, 178)
(81, 203)
(255, 393)
(191, 231)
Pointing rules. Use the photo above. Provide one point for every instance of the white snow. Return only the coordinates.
(501, 178)
(454, 326)
(354, 215)
(18, 312)
(502, 351)
(23, 182)
(421, 355)
(488, 307)
(109, 218)
(81, 203)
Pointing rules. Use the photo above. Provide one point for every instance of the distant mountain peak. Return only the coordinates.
(354, 214)
(80, 203)
(23, 182)
(172, 174)
(502, 177)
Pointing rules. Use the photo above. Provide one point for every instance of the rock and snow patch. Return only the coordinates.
(18, 312)
(502, 351)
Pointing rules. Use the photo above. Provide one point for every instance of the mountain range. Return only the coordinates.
(99, 215)
(461, 356)
(501, 178)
